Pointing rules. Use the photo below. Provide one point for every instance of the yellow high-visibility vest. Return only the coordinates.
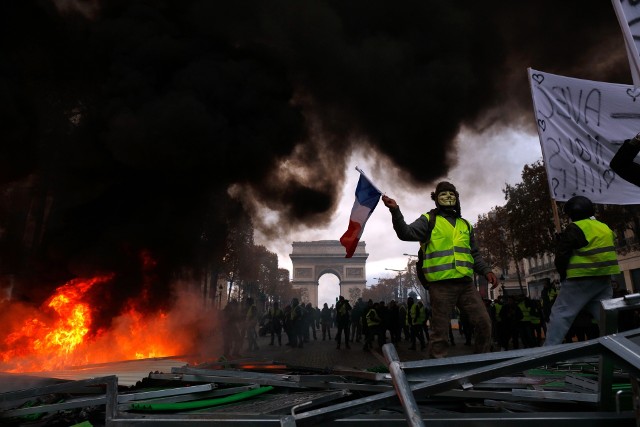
(526, 312)
(448, 253)
(372, 317)
(599, 257)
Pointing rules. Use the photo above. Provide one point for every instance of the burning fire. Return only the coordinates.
(60, 335)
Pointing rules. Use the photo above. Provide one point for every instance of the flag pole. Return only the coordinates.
(371, 182)
(556, 216)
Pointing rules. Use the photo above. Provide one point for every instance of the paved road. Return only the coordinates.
(324, 354)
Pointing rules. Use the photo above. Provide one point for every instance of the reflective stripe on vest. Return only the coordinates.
(448, 253)
(599, 257)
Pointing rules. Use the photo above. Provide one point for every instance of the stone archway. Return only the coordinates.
(313, 259)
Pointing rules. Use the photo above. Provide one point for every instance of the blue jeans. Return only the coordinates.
(581, 293)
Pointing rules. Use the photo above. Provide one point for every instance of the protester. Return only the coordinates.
(309, 322)
(326, 321)
(548, 295)
(511, 316)
(525, 327)
(394, 322)
(343, 313)
(623, 163)
(537, 322)
(402, 320)
(450, 259)
(374, 326)
(251, 322)
(230, 329)
(383, 313)
(416, 319)
(297, 323)
(585, 259)
(276, 318)
(356, 321)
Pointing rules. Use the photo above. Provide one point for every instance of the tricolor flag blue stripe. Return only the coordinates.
(367, 198)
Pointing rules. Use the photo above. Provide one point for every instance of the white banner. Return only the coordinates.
(628, 14)
(581, 125)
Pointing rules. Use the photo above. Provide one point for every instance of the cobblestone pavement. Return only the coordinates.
(324, 355)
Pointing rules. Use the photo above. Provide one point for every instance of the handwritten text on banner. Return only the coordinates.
(581, 125)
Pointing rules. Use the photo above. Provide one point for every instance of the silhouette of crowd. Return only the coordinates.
(370, 324)
(518, 321)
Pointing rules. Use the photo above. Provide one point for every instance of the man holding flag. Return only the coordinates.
(450, 259)
(367, 198)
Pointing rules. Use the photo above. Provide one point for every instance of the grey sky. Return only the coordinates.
(486, 162)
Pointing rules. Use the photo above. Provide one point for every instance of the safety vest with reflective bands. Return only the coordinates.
(448, 253)
(526, 312)
(599, 257)
(414, 314)
(372, 317)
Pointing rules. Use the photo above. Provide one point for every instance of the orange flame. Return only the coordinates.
(57, 335)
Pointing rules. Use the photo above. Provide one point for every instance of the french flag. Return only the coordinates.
(367, 197)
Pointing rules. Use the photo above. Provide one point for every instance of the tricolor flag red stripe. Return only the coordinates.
(367, 197)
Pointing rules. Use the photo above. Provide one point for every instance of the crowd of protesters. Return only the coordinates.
(517, 321)
(369, 324)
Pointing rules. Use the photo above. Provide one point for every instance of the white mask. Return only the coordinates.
(447, 198)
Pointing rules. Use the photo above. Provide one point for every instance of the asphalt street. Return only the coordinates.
(323, 354)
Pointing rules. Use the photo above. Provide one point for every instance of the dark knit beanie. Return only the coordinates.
(447, 186)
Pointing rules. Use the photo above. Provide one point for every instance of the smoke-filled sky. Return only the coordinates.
(145, 125)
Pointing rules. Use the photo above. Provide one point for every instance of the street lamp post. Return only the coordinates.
(416, 286)
(400, 294)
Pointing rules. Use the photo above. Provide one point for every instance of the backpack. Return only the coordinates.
(418, 265)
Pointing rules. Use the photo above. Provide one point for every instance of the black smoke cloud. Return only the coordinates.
(127, 121)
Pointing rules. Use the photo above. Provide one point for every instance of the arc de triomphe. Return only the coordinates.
(313, 259)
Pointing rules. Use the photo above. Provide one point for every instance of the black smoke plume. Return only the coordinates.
(124, 123)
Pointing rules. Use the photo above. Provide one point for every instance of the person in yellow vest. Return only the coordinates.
(450, 259)
(525, 326)
(537, 322)
(585, 259)
(374, 326)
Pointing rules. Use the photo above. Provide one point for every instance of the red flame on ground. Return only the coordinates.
(58, 334)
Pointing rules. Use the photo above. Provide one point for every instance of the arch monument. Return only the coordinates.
(313, 259)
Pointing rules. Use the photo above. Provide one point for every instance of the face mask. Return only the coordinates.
(447, 198)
